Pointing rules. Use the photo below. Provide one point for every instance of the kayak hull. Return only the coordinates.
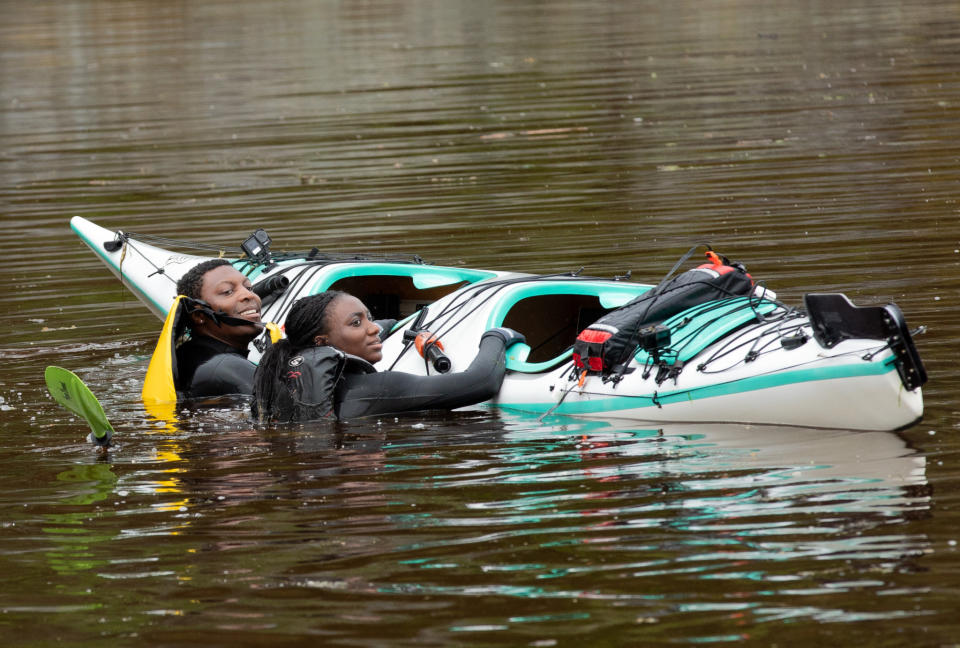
(853, 384)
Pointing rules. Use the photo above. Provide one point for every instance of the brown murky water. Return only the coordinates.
(817, 142)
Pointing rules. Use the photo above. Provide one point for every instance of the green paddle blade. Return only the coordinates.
(68, 390)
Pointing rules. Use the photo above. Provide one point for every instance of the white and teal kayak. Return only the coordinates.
(742, 359)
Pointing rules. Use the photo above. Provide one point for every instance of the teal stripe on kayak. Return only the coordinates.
(243, 267)
(709, 322)
(610, 296)
(423, 277)
(106, 259)
(757, 383)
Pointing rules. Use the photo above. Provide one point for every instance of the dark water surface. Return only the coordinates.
(815, 141)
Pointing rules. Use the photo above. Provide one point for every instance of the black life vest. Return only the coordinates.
(608, 344)
(312, 378)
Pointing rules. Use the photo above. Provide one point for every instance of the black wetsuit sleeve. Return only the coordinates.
(392, 392)
(226, 373)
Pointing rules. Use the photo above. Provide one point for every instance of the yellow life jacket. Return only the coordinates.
(159, 392)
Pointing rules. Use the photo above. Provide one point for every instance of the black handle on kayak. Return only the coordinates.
(269, 289)
(429, 348)
(439, 360)
(418, 323)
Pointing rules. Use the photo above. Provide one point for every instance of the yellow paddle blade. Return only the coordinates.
(158, 384)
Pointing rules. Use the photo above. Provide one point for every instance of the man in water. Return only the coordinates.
(224, 317)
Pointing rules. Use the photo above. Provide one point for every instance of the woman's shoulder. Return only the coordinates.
(322, 360)
(316, 356)
(356, 364)
(325, 357)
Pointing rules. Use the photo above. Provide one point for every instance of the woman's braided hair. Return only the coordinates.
(307, 319)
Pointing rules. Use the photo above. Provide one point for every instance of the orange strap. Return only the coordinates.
(425, 338)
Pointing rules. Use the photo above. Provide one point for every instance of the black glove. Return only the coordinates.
(508, 335)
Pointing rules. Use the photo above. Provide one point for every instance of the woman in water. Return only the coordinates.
(324, 368)
(223, 317)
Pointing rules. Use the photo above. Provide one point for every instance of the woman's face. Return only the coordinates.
(350, 329)
(226, 289)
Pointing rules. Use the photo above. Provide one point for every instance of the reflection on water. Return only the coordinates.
(581, 513)
(814, 142)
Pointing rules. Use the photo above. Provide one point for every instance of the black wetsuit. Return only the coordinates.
(327, 383)
(209, 367)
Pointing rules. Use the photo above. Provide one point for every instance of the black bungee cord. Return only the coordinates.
(484, 292)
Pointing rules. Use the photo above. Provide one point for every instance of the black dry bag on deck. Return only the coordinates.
(607, 344)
